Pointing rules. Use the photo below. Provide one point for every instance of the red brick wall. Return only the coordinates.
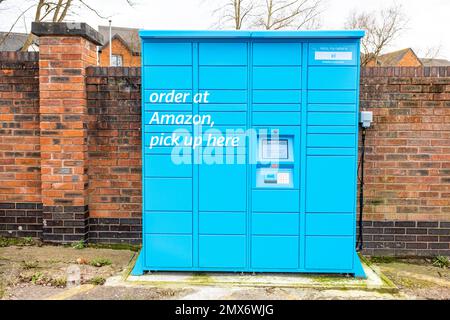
(407, 191)
(408, 149)
(114, 142)
(20, 172)
(63, 111)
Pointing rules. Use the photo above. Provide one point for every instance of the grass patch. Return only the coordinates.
(200, 277)
(410, 283)
(30, 264)
(326, 279)
(100, 262)
(2, 291)
(79, 245)
(382, 259)
(438, 261)
(97, 281)
(36, 277)
(441, 262)
(59, 282)
(28, 241)
(114, 246)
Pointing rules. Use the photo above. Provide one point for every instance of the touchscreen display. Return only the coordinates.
(275, 149)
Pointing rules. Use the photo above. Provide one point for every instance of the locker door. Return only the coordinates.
(222, 187)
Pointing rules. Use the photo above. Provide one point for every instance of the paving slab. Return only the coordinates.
(375, 281)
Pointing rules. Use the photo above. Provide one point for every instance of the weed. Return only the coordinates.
(441, 262)
(28, 241)
(38, 278)
(35, 278)
(98, 281)
(79, 245)
(100, 262)
(115, 246)
(410, 283)
(59, 282)
(30, 264)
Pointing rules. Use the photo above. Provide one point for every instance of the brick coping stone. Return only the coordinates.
(67, 29)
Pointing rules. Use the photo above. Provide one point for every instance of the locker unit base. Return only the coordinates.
(357, 271)
(138, 269)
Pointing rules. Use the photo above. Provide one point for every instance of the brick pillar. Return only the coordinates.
(66, 49)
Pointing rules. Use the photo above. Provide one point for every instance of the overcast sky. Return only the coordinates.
(428, 27)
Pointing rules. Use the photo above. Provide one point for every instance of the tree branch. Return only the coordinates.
(3, 39)
(382, 27)
(282, 14)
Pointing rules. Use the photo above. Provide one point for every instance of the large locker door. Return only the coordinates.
(331, 156)
(168, 192)
(222, 172)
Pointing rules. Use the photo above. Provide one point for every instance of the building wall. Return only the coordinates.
(128, 59)
(409, 60)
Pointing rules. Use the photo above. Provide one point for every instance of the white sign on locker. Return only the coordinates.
(329, 55)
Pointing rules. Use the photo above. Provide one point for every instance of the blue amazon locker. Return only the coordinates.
(279, 195)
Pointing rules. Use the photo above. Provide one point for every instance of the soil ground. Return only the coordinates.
(418, 278)
(30, 271)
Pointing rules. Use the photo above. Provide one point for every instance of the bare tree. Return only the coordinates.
(55, 11)
(432, 52)
(235, 13)
(289, 14)
(382, 27)
(21, 15)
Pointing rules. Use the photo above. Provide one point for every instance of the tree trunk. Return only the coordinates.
(37, 18)
(28, 43)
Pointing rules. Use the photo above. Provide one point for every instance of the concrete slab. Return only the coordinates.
(375, 280)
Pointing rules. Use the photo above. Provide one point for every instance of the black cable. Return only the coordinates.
(359, 244)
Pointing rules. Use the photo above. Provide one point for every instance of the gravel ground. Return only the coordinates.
(37, 272)
(418, 279)
(43, 272)
(127, 293)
